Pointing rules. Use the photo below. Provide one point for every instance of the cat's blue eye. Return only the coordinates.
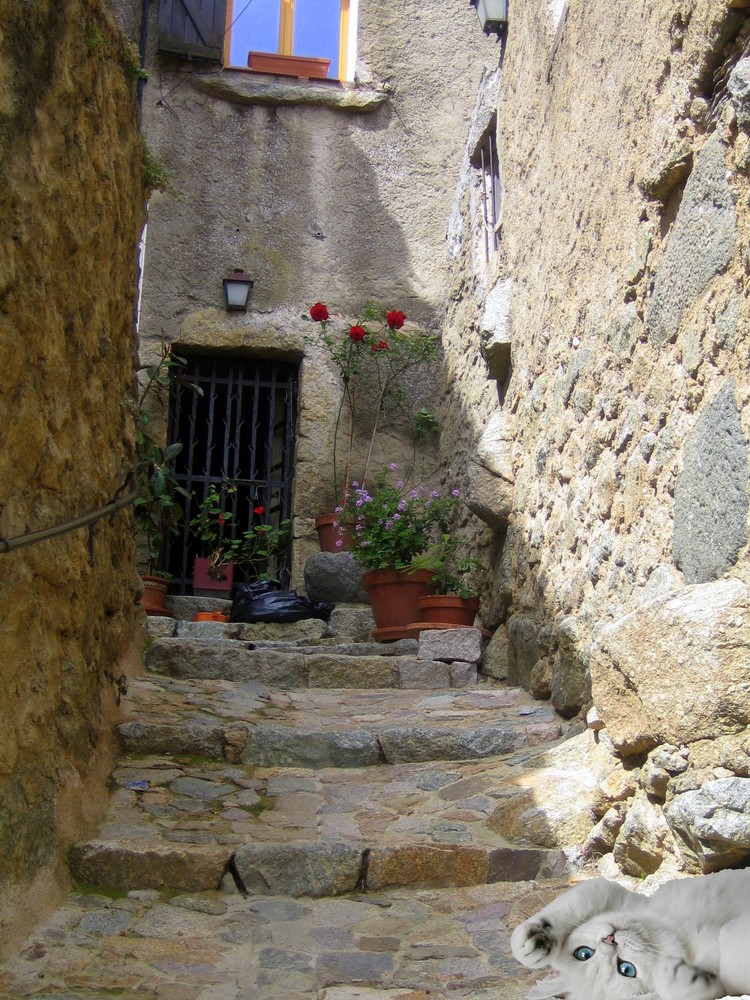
(627, 969)
(583, 954)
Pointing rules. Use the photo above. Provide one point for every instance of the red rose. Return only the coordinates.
(259, 510)
(319, 312)
(380, 346)
(395, 319)
(357, 333)
(222, 520)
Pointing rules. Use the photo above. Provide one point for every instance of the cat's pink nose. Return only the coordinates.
(610, 938)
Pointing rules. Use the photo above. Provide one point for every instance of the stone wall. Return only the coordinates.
(328, 192)
(609, 449)
(71, 202)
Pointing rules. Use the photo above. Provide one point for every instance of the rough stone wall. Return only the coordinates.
(71, 202)
(320, 192)
(611, 458)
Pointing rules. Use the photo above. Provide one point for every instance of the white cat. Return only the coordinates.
(689, 941)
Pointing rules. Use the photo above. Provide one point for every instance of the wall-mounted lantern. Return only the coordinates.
(492, 14)
(237, 288)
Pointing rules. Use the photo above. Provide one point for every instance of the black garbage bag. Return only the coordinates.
(265, 601)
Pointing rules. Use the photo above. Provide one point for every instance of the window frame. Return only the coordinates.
(286, 33)
(486, 161)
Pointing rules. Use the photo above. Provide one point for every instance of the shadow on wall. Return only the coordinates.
(294, 197)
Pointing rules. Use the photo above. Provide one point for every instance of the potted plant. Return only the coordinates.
(372, 357)
(452, 600)
(258, 553)
(213, 570)
(393, 526)
(156, 510)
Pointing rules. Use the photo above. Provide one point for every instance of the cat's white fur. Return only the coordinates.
(689, 941)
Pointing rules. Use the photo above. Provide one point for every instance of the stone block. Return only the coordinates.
(449, 645)
(426, 866)
(571, 686)
(334, 577)
(414, 672)
(700, 245)
(546, 808)
(711, 494)
(201, 630)
(282, 746)
(463, 674)
(713, 822)
(204, 739)
(675, 670)
(299, 870)
(307, 629)
(227, 659)
(356, 622)
(494, 661)
(523, 648)
(403, 745)
(511, 864)
(148, 866)
(739, 90)
(161, 627)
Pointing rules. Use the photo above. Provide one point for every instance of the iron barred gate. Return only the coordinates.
(242, 430)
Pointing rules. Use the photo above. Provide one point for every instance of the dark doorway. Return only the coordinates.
(242, 429)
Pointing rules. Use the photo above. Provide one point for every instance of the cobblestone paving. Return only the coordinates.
(218, 945)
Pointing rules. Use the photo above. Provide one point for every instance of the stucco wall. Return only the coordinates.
(71, 203)
(320, 192)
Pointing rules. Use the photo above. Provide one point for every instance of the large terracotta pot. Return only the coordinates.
(331, 533)
(207, 585)
(154, 593)
(448, 609)
(394, 595)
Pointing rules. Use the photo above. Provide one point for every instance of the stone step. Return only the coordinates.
(252, 724)
(290, 667)
(436, 944)
(187, 825)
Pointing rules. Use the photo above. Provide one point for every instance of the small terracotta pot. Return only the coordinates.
(203, 616)
(449, 609)
(331, 533)
(153, 596)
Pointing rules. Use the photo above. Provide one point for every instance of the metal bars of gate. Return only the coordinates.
(240, 431)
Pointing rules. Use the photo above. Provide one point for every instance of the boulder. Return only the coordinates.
(334, 577)
(644, 839)
(713, 822)
(676, 669)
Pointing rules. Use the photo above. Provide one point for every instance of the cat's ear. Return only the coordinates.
(552, 986)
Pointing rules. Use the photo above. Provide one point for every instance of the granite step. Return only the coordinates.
(195, 825)
(250, 723)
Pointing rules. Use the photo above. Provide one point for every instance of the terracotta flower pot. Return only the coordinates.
(331, 533)
(394, 595)
(154, 593)
(207, 585)
(448, 609)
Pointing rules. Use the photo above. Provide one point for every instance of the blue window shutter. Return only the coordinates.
(193, 27)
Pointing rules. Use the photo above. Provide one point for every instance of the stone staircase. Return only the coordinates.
(300, 812)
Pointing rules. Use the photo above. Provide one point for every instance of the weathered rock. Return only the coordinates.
(355, 622)
(675, 670)
(524, 648)
(495, 656)
(197, 738)
(436, 743)
(571, 685)
(148, 866)
(700, 245)
(644, 838)
(281, 746)
(425, 866)
(299, 870)
(327, 670)
(739, 89)
(546, 808)
(463, 644)
(334, 577)
(306, 630)
(711, 494)
(228, 659)
(713, 822)
(490, 490)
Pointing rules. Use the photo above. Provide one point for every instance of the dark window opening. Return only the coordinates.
(242, 430)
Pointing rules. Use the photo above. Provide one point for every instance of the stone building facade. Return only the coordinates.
(71, 204)
(333, 191)
(610, 456)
